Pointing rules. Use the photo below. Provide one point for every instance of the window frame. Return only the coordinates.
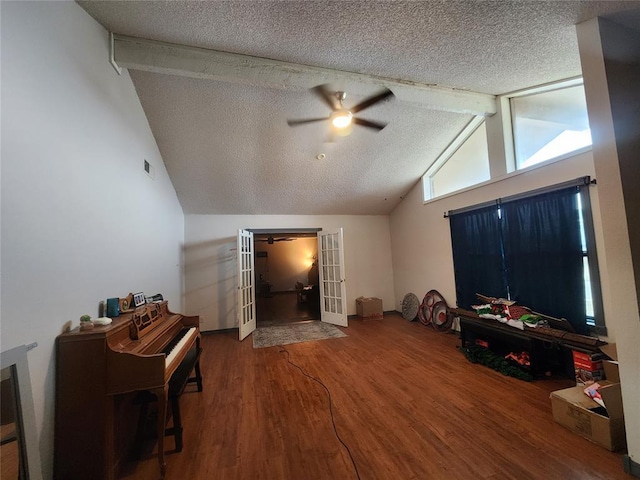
(468, 130)
(599, 326)
(510, 121)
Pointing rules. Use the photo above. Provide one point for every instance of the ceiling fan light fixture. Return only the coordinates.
(341, 118)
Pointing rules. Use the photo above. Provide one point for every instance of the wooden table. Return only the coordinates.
(549, 349)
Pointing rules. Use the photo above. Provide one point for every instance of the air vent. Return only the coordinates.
(148, 168)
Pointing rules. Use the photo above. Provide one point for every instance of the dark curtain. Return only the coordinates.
(477, 255)
(543, 255)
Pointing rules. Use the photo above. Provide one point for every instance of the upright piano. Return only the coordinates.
(100, 374)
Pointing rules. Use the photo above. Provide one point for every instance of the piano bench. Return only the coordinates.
(178, 382)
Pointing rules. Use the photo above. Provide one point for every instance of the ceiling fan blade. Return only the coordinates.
(369, 124)
(372, 100)
(295, 123)
(327, 97)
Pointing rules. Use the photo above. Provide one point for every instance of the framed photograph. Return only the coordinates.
(138, 299)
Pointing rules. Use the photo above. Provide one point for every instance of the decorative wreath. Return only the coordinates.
(410, 304)
(433, 311)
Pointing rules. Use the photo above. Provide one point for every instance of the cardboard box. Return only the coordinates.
(610, 364)
(573, 409)
(586, 357)
(369, 308)
(587, 377)
(588, 367)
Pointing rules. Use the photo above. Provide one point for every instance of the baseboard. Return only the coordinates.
(358, 317)
(630, 466)
(385, 312)
(222, 330)
(455, 326)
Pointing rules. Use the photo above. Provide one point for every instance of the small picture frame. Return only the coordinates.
(126, 304)
(138, 299)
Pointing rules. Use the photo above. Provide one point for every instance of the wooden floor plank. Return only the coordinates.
(406, 402)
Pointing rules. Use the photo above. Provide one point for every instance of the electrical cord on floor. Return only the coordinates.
(333, 422)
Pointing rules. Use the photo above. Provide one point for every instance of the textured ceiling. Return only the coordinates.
(227, 146)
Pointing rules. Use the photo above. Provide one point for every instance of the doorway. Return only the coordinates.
(286, 276)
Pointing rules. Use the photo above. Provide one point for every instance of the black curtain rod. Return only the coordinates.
(578, 182)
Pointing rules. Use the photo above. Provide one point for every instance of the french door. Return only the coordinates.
(246, 309)
(333, 289)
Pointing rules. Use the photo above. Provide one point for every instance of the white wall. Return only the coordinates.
(610, 56)
(81, 221)
(210, 268)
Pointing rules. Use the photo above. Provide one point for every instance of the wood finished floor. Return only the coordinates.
(405, 400)
(283, 307)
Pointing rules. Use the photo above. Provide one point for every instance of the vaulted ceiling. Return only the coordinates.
(220, 119)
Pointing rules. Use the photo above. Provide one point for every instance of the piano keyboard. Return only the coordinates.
(178, 343)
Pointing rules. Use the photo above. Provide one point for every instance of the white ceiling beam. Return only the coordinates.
(159, 57)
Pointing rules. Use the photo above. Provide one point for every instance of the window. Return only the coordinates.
(463, 164)
(593, 296)
(535, 126)
(548, 124)
(535, 248)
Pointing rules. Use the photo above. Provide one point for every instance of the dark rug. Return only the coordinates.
(272, 335)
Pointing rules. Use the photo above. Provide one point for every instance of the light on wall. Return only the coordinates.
(309, 260)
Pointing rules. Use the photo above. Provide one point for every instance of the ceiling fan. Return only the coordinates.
(342, 119)
(270, 240)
